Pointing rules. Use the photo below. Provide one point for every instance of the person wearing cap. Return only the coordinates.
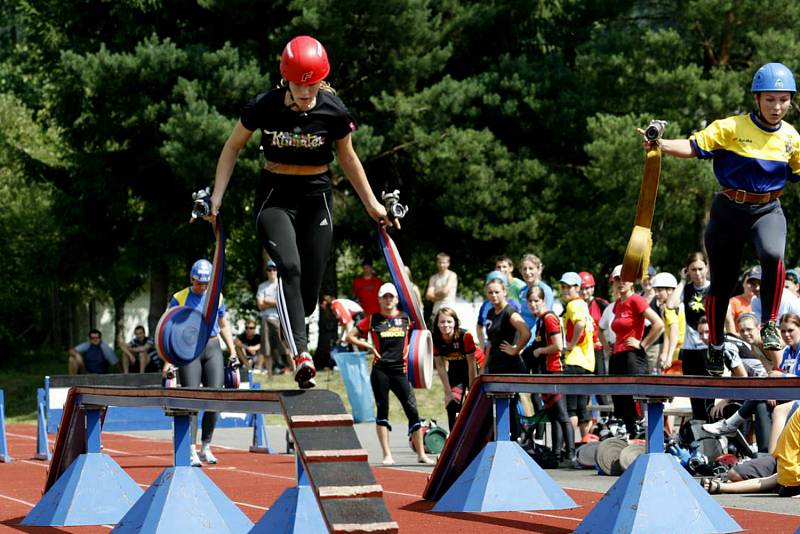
(389, 330)
(629, 355)
(754, 155)
(273, 348)
(674, 319)
(742, 303)
(302, 123)
(579, 356)
(596, 307)
(792, 282)
(790, 303)
(207, 369)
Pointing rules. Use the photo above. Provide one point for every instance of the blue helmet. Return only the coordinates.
(201, 271)
(773, 77)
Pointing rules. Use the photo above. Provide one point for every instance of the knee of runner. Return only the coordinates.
(384, 423)
(413, 427)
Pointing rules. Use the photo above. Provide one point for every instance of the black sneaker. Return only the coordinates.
(715, 362)
(770, 336)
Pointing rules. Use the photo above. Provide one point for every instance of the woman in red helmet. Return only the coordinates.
(302, 122)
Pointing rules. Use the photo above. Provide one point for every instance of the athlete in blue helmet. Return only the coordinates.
(754, 155)
(209, 367)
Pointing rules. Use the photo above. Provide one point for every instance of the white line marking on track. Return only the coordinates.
(39, 463)
(20, 501)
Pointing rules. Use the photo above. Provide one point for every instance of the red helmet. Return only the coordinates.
(587, 280)
(304, 61)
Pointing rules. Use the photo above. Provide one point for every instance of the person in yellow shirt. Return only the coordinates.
(674, 319)
(579, 348)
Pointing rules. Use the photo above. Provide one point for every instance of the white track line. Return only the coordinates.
(20, 501)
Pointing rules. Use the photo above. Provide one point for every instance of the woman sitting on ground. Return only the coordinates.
(785, 457)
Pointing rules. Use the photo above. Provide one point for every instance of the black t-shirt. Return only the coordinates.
(694, 302)
(255, 340)
(296, 138)
(500, 329)
(390, 338)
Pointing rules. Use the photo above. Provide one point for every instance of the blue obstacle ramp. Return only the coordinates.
(94, 490)
(503, 478)
(4, 456)
(183, 499)
(295, 512)
(656, 495)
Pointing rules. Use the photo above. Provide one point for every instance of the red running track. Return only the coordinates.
(255, 481)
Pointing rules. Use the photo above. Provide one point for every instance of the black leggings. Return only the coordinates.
(396, 381)
(563, 433)
(730, 226)
(629, 362)
(208, 370)
(694, 364)
(296, 228)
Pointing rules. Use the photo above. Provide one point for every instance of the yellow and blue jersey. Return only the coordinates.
(749, 156)
(186, 297)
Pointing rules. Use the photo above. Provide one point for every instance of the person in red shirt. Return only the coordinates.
(629, 356)
(365, 289)
(548, 345)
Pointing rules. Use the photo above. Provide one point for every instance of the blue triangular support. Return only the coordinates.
(42, 448)
(295, 512)
(656, 495)
(260, 434)
(184, 499)
(503, 478)
(94, 490)
(4, 456)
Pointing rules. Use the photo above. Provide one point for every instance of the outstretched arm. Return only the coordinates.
(354, 171)
(227, 161)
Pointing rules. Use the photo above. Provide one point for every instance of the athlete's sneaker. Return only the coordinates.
(715, 363)
(720, 428)
(770, 336)
(305, 370)
(194, 461)
(308, 384)
(206, 455)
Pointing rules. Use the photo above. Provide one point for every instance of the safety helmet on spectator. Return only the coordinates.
(587, 280)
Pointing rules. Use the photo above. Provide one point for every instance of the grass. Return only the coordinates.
(20, 380)
(430, 402)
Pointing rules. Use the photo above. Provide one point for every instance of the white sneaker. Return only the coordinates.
(720, 428)
(206, 455)
(194, 461)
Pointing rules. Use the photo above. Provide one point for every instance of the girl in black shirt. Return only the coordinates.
(454, 356)
(301, 122)
(505, 325)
